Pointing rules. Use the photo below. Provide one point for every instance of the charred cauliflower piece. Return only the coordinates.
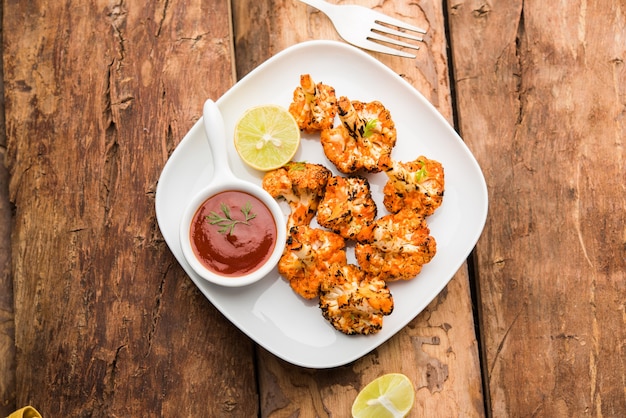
(314, 106)
(347, 206)
(418, 184)
(365, 136)
(307, 257)
(398, 246)
(302, 185)
(352, 302)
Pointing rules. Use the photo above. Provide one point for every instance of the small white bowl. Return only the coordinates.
(265, 268)
(224, 180)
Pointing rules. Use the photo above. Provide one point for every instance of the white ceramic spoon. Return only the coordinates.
(224, 180)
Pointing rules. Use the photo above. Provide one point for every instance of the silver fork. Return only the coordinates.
(362, 26)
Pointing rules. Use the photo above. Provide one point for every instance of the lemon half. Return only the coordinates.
(390, 395)
(267, 137)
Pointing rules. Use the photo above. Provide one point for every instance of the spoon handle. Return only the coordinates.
(216, 137)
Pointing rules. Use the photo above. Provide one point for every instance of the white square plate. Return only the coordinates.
(269, 312)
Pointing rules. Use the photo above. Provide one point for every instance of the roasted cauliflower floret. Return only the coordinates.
(302, 185)
(366, 135)
(352, 302)
(398, 246)
(347, 206)
(307, 257)
(314, 106)
(418, 184)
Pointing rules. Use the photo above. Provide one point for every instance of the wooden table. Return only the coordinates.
(98, 319)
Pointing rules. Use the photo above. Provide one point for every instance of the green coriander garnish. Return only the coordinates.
(421, 174)
(370, 126)
(297, 166)
(226, 222)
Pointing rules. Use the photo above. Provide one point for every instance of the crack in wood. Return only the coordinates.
(162, 18)
(117, 15)
(518, 56)
(156, 310)
(111, 375)
(110, 169)
(501, 344)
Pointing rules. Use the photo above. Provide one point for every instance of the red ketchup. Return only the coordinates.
(233, 233)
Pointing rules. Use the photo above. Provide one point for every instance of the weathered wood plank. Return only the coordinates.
(543, 89)
(7, 320)
(438, 349)
(107, 324)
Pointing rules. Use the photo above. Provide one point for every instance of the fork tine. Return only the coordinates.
(388, 20)
(380, 37)
(376, 47)
(389, 31)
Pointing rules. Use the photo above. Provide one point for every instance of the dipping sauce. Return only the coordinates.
(233, 233)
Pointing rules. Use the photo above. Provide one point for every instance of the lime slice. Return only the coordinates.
(390, 395)
(267, 137)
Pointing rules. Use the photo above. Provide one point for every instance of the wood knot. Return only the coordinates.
(482, 11)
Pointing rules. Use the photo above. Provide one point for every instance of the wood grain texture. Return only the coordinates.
(543, 89)
(438, 350)
(98, 94)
